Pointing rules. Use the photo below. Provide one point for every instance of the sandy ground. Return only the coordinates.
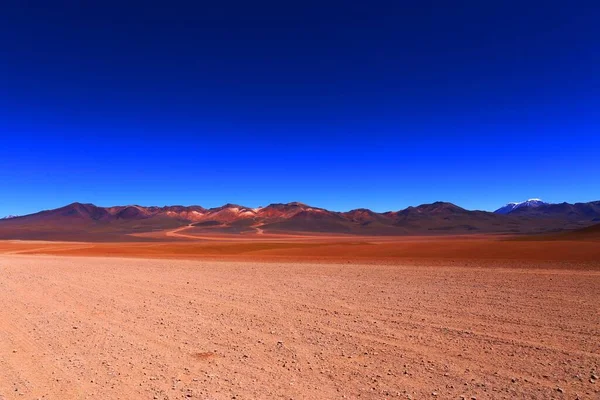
(358, 249)
(125, 328)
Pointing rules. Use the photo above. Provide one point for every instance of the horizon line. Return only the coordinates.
(281, 203)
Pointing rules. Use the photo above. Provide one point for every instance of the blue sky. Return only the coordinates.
(341, 105)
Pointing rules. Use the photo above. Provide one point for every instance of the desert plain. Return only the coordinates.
(299, 317)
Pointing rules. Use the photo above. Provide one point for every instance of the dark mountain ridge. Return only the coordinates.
(85, 220)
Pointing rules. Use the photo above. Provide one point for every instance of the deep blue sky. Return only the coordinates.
(339, 105)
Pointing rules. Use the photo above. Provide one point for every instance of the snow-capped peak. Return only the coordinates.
(510, 207)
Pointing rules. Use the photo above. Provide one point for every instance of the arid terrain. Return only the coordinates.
(299, 200)
(299, 317)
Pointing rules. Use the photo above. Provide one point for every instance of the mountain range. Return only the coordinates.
(537, 208)
(79, 221)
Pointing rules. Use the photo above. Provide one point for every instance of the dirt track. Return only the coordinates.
(111, 328)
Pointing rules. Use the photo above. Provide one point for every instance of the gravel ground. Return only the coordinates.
(114, 328)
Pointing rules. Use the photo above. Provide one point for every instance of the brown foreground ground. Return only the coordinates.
(323, 319)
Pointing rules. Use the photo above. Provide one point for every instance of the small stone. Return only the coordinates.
(560, 390)
(434, 394)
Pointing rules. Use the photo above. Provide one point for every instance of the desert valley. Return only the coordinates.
(292, 301)
(299, 200)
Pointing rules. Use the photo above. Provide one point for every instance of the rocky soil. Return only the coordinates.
(112, 328)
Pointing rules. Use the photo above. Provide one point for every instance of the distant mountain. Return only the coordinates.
(565, 211)
(510, 207)
(9, 217)
(442, 217)
(79, 221)
(299, 217)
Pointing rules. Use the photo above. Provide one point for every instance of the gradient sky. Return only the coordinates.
(336, 104)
